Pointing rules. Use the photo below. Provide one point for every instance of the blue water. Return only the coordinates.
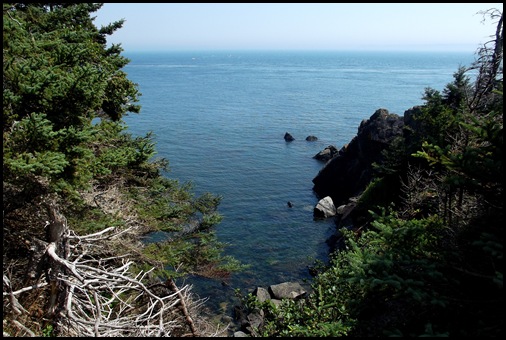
(220, 117)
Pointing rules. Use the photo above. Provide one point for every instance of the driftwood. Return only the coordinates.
(92, 295)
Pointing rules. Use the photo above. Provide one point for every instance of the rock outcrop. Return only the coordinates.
(347, 174)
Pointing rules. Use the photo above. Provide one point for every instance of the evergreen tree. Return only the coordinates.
(58, 75)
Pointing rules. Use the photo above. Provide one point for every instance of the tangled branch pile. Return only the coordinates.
(92, 292)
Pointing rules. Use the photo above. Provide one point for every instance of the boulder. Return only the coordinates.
(287, 290)
(311, 138)
(288, 137)
(256, 319)
(325, 208)
(262, 294)
(276, 302)
(240, 334)
(340, 209)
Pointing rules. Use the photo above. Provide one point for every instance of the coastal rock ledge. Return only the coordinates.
(348, 173)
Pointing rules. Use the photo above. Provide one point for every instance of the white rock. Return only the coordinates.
(325, 208)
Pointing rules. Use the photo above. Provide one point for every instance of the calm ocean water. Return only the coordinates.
(220, 117)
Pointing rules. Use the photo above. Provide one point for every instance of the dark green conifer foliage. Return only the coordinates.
(58, 76)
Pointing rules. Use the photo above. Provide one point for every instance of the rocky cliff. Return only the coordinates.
(348, 173)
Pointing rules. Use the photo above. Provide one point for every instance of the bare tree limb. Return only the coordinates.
(97, 295)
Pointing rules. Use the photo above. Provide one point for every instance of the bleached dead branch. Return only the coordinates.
(94, 293)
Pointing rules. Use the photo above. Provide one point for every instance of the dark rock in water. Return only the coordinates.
(289, 204)
(289, 137)
(311, 138)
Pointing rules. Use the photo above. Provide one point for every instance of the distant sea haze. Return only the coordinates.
(220, 118)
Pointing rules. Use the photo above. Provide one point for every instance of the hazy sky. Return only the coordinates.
(328, 26)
